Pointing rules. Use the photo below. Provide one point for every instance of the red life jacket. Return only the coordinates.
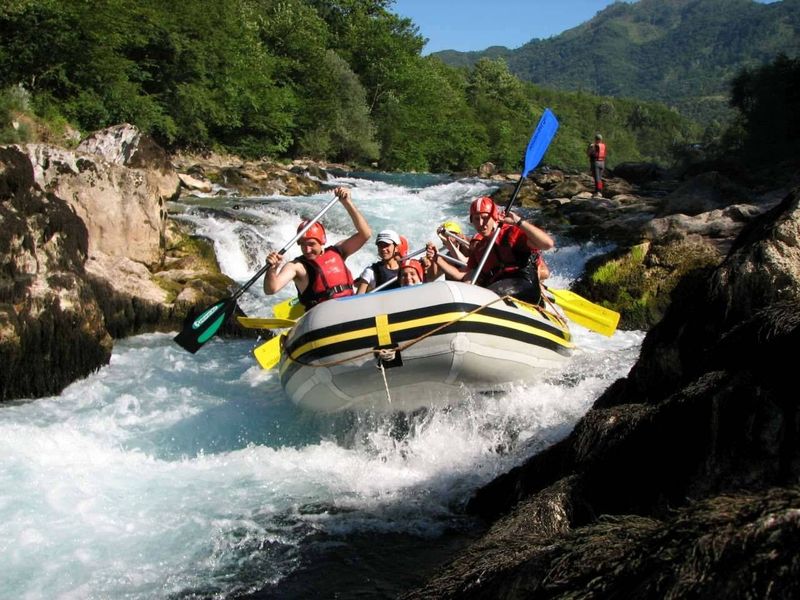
(328, 277)
(506, 259)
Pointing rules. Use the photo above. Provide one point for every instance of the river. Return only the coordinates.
(171, 475)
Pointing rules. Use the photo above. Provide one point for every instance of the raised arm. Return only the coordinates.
(354, 243)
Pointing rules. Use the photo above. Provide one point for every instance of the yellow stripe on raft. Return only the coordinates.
(386, 330)
(382, 327)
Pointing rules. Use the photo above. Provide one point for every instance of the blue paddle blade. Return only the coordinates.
(545, 131)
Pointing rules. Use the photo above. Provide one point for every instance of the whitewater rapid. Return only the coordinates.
(167, 474)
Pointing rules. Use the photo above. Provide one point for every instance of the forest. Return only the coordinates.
(335, 80)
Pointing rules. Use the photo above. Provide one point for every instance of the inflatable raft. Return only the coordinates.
(417, 347)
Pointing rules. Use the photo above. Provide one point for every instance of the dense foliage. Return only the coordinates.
(767, 100)
(683, 53)
(341, 80)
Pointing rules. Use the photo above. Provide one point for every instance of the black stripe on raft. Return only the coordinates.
(421, 313)
(399, 337)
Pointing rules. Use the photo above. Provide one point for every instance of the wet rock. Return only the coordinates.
(51, 325)
(82, 241)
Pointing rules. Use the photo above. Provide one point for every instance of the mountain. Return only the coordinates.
(679, 52)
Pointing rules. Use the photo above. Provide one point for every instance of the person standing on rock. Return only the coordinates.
(320, 274)
(597, 162)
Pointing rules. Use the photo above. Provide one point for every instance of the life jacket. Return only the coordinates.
(505, 260)
(328, 277)
(384, 274)
(597, 151)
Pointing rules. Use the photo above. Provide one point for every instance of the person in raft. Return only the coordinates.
(320, 273)
(411, 272)
(392, 247)
(513, 265)
(452, 238)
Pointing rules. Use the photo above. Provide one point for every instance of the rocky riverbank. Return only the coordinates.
(90, 254)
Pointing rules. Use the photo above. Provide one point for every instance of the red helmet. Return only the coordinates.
(413, 264)
(484, 204)
(315, 232)
(402, 248)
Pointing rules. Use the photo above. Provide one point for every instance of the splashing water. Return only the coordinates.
(167, 474)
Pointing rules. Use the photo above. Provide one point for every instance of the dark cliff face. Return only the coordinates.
(684, 471)
(52, 328)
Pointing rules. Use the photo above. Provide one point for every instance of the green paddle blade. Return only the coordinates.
(268, 354)
(584, 312)
(198, 330)
(265, 322)
(289, 309)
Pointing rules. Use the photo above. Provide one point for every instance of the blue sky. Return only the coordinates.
(478, 24)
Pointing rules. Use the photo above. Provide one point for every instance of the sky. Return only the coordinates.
(477, 24)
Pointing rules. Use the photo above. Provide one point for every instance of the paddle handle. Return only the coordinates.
(456, 238)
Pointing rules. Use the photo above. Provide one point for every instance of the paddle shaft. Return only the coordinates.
(457, 238)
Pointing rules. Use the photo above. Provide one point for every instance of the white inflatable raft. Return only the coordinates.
(436, 338)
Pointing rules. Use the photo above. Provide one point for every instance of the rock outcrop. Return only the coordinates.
(682, 480)
(51, 324)
(88, 255)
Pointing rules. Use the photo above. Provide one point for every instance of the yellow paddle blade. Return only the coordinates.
(289, 309)
(268, 354)
(265, 322)
(592, 316)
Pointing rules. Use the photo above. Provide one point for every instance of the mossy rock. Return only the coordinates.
(638, 281)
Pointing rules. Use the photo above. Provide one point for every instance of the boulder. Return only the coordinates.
(51, 326)
(121, 207)
(704, 193)
(83, 243)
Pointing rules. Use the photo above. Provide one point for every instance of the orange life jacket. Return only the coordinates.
(328, 277)
(598, 151)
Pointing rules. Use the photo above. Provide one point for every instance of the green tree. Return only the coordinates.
(768, 103)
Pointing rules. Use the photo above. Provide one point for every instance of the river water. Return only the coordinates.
(171, 475)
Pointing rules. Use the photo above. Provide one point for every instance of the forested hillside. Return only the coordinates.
(339, 80)
(683, 53)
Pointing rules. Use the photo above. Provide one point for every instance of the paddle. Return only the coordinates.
(202, 328)
(289, 309)
(577, 308)
(537, 146)
(265, 323)
(456, 238)
(592, 316)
